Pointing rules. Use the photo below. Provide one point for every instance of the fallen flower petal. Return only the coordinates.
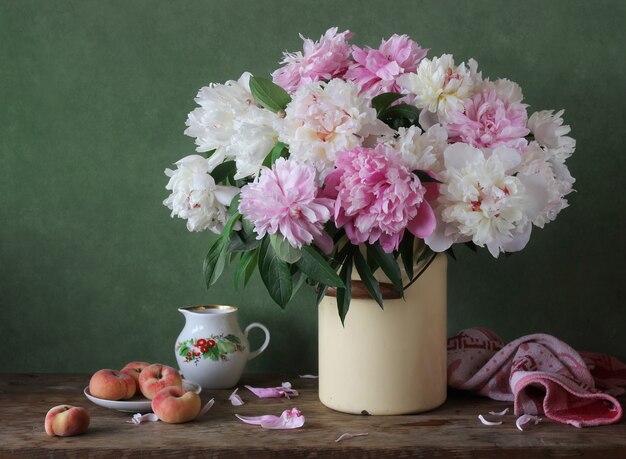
(499, 413)
(288, 391)
(138, 418)
(235, 399)
(488, 423)
(205, 409)
(289, 419)
(526, 418)
(308, 376)
(284, 390)
(346, 436)
(265, 392)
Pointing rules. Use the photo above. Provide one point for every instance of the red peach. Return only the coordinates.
(133, 369)
(176, 405)
(112, 385)
(66, 420)
(155, 377)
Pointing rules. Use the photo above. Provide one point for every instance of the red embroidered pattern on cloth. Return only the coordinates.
(540, 374)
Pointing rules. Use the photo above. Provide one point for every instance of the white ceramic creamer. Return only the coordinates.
(211, 350)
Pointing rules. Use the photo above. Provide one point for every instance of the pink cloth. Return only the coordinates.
(540, 374)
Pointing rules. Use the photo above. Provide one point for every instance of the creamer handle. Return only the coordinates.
(266, 343)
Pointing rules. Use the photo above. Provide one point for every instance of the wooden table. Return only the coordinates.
(450, 431)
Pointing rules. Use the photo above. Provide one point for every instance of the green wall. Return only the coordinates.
(93, 100)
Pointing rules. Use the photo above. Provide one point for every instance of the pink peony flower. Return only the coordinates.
(285, 200)
(321, 61)
(488, 122)
(377, 197)
(376, 70)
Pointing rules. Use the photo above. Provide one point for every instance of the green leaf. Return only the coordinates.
(298, 281)
(388, 263)
(183, 351)
(279, 151)
(251, 267)
(317, 268)
(339, 258)
(226, 347)
(275, 274)
(247, 263)
(232, 338)
(473, 246)
(371, 284)
(233, 207)
(427, 252)
(268, 94)
(424, 177)
(344, 295)
(215, 261)
(241, 241)
(321, 292)
(406, 111)
(228, 230)
(223, 171)
(284, 249)
(214, 353)
(382, 101)
(450, 251)
(406, 252)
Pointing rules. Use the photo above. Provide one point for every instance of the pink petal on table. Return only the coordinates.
(526, 418)
(265, 392)
(347, 435)
(205, 409)
(499, 413)
(308, 376)
(235, 399)
(488, 423)
(288, 391)
(139, 418)
(274, 392)
(256, 420)
(289, 419)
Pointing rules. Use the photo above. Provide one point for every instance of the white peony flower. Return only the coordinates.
(557, 177)
(211, 124)
(483, 202)
(230, 122)
(420, 150)
(439, 86)
(253, 138)
(324, 118)
(195, 196)
(549, 131)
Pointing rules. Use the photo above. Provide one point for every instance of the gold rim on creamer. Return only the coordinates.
(210, 308)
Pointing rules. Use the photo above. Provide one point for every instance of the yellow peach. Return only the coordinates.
(66, 420)
(155, 377)
(176, 405)
(112, 385)
(133, 369)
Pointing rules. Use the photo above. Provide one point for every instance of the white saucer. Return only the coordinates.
(137, 404)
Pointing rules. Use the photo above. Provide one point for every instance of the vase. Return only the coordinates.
(211, 349)
(391, 361)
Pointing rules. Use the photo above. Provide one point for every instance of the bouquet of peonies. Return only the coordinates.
(349, 156)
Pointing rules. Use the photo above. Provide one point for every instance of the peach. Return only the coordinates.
(133, 369)
(112, 385)
(66, 420)
(155, 377)
(176, 405)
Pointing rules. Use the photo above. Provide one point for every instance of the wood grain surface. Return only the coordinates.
(452, 431)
